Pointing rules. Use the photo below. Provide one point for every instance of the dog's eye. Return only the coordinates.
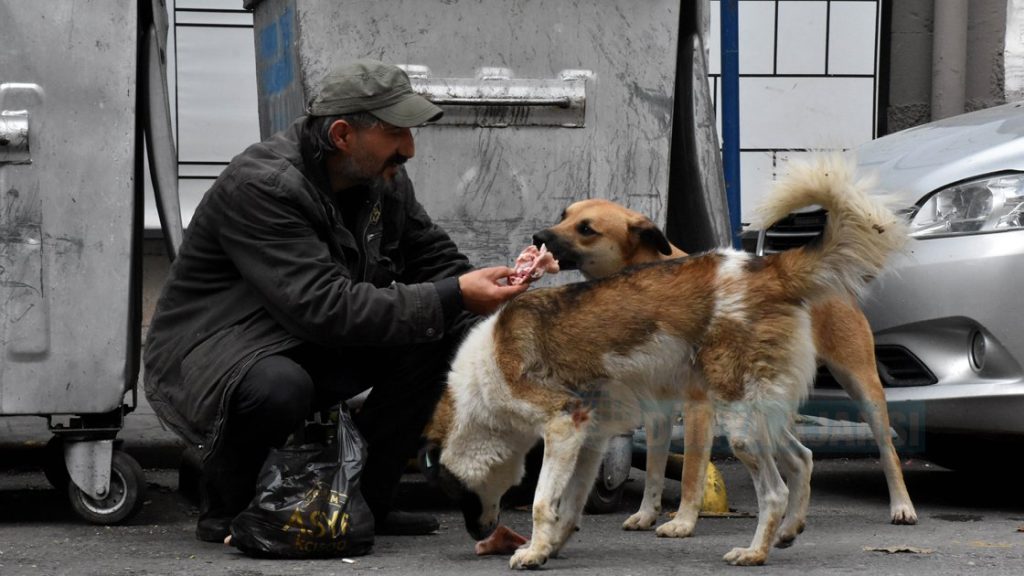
(585, 229)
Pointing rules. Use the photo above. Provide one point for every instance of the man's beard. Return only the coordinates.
(357, 169)
(354, 170)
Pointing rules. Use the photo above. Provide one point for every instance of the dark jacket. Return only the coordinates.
(267, 264)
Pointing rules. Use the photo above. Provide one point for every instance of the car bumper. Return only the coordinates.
(949, 305)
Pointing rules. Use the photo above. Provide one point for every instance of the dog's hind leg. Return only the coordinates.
(658, 427)
(843, 339)
(571, 504)
(698, 424)
(796, 463)
(564, 437)
(871, 400)
(751, 442)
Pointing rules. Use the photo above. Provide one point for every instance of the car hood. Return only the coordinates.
(911, 163)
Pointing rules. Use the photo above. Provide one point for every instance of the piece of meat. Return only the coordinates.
(531, 264)
(503, 541)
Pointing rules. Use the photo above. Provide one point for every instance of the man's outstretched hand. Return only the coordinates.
(485, 289)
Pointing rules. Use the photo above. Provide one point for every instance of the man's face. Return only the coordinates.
(376, 152)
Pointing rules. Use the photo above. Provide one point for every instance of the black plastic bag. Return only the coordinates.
(308, 503)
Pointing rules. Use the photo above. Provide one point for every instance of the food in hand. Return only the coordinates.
(531, 264)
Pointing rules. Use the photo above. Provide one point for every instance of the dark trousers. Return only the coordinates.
(280, 391)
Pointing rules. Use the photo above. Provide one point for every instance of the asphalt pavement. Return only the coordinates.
(970, 522)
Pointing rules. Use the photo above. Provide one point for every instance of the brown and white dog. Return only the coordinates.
(600, 238)
(577, 364)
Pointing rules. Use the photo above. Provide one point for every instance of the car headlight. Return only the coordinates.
(991, 204)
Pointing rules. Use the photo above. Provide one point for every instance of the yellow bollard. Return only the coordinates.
(715, 502)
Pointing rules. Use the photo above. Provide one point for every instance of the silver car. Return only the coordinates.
(947, 318)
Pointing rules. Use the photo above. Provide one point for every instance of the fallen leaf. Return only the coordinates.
(983, 544)
(899, 550)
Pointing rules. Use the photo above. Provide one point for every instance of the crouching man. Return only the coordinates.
(308, 274)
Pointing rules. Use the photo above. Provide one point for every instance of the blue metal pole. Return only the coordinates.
(731, 112)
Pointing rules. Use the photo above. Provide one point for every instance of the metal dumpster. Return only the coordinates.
(546, 102)
(71, 147)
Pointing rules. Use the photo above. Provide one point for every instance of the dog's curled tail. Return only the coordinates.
(860, 235)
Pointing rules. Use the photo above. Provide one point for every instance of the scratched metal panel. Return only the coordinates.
(66, 218)
(493, 187)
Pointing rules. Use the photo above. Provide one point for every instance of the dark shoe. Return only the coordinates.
(398, 523)
(223, 493)
(213, 529)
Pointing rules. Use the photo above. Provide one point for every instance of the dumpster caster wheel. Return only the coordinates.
(54, 467)
(124, 499)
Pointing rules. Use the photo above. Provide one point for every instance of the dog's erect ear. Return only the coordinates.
(649, 234)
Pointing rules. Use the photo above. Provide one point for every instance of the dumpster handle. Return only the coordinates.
(14, 124)
(562, 102)
(495, 98)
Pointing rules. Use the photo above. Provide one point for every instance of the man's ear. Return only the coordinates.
(340, 133)
(650, 235)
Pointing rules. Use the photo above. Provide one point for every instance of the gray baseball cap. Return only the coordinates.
(375, 87)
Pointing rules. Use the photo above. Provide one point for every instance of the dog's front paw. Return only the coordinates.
(527, 559)
(903, 514)
(642, 520)
(788, 532)
(675, 528)
(745, 557)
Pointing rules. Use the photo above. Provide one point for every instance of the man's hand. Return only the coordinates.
(484, 290)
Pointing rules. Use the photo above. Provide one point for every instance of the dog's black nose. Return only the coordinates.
(480, 532)
(542, 237)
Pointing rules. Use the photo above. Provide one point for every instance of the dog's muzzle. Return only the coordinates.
(470, 504)
(567, 258)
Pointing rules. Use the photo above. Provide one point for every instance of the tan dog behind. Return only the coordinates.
(601, 238)
(729, 332)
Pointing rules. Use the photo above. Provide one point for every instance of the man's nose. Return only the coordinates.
(407, 146)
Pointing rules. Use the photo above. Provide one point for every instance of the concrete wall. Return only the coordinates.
(1013, 60)
(910, 80)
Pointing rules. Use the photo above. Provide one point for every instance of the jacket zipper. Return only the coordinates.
(223, 409)
(364, 239)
